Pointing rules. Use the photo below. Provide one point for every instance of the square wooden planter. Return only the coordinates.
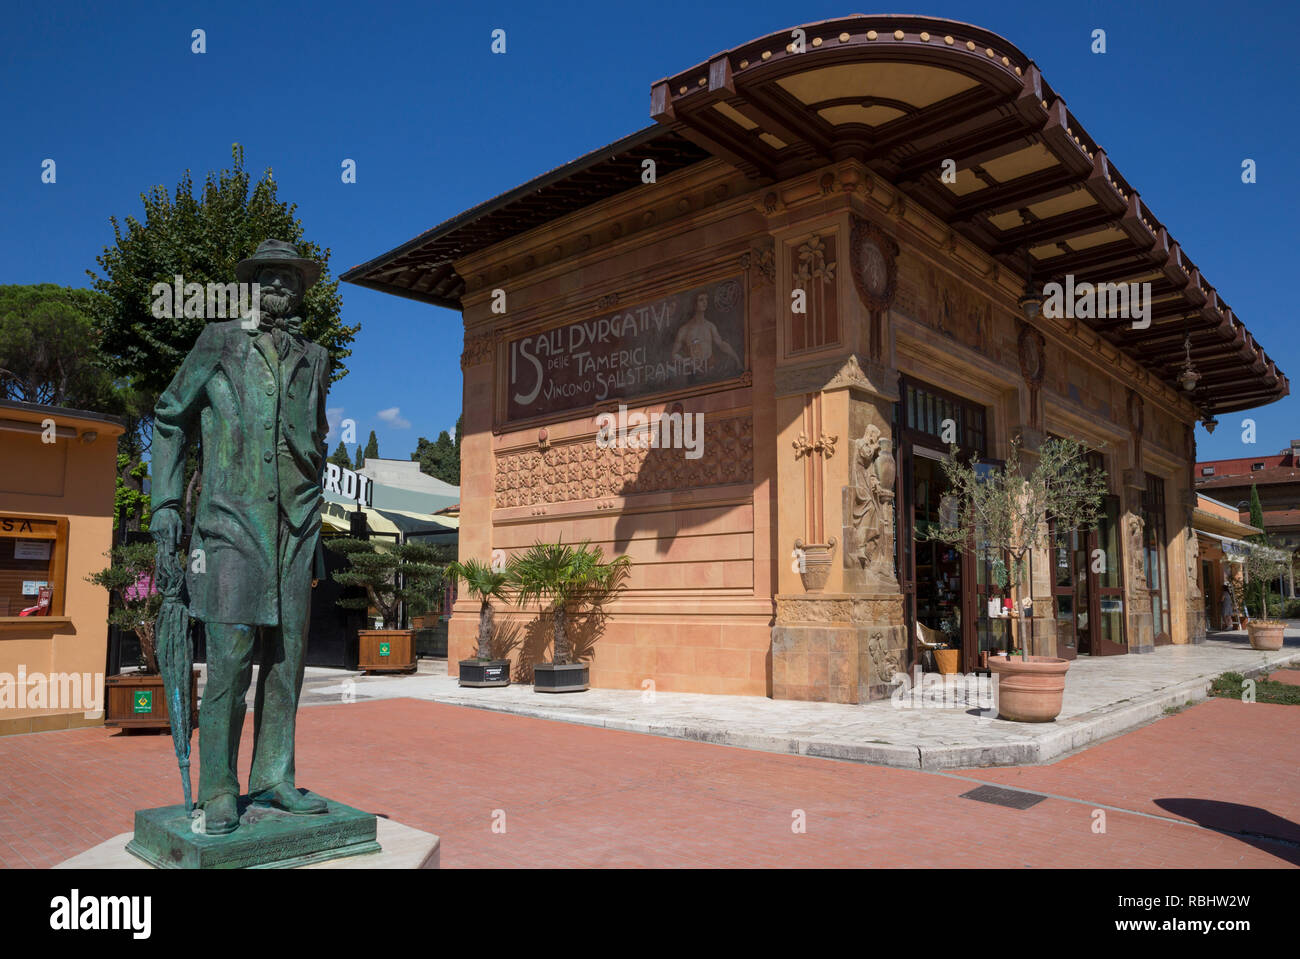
(568, 678)
(484, 672)
(138, 701)
(386, 650)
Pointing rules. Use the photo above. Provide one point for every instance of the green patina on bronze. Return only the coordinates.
(266, 838)
(253, 392)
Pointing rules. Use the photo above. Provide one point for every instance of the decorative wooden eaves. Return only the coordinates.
(904, 94)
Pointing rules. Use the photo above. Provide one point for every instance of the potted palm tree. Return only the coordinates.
(1000, 514)
(487, 583)
(564, 578)
(391, 576)
(135, 699)
(1265, 563)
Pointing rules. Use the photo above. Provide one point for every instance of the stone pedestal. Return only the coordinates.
(838, 648)
(402, 847)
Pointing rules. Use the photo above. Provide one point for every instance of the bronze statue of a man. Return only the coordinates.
(255, 392)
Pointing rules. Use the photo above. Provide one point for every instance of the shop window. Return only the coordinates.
(926, 409)
(33, 557)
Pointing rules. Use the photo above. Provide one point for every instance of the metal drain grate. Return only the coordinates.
(1011, 798)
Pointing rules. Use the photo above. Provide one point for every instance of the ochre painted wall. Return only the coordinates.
(72, 479)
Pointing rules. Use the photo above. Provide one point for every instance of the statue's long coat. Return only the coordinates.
(262, 422)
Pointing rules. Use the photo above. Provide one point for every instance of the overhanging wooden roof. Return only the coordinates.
(902, 94)
(421, 269)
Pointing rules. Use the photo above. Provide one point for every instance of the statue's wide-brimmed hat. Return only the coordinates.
(278, 253)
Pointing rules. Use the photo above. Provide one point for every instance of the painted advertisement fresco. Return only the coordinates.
(685, 339)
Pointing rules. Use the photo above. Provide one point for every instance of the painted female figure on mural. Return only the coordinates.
(697, 338)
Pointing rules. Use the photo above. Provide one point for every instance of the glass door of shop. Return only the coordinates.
(1087, 595)
(938, 569)
(1071, 560)
(1154, 557)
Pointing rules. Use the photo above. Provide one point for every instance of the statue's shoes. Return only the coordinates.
(284, 796)
(220, 816)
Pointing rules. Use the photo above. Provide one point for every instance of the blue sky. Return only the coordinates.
(437, 123)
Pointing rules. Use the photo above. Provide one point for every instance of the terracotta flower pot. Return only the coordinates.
(1265, 634)
(1029, 691)
(946, 660)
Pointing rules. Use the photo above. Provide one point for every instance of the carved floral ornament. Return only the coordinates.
(813, 264)
(581, 470)
(825, 444)
(873, 256)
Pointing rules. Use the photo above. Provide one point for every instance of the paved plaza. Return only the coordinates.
(594, 790)
(1104, 697)
(1214, 785)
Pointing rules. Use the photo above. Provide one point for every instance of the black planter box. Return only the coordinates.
(569, 678)
(478, 673)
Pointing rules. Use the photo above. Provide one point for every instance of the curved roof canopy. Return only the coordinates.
(902, 94)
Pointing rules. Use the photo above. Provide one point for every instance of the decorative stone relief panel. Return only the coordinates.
(813, 264)
(478, 349)
(568, 472)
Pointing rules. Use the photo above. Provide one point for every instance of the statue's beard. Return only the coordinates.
(276, 305)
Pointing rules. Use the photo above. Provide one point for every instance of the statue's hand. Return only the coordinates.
(165, 527)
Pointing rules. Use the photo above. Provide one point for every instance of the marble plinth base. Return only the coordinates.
(401, 847)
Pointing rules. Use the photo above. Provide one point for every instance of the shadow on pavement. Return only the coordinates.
(1257, 827)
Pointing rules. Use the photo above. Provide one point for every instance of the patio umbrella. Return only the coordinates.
(176, 661)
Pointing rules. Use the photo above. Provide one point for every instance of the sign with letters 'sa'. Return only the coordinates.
(685, 339)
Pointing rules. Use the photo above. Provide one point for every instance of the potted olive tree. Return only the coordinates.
(135, 700)
(391, 574)
(1265, 563)
(564, 578)
(487, 583)
(1000, 514)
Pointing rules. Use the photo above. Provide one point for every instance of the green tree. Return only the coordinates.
(340, 456)
(564, 578)
(441, 458)
(129, 498)
(201, 239)
(50, 348)
(1257, 588)
(371, 451)
(1001, 512)
(129, 580)
(401, 573)
(486, 583)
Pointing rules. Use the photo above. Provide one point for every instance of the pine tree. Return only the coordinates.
(340, 456)
(371, 450)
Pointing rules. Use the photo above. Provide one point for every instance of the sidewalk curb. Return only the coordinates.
(1067, 737)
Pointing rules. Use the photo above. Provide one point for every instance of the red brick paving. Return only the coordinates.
(1289, 676)
(581, 796)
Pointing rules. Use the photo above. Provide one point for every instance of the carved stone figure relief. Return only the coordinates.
(1192, 551)
(872, 508)
(885, 662)
(1135, 547)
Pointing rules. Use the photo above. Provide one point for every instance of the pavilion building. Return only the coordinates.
(827, 252)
